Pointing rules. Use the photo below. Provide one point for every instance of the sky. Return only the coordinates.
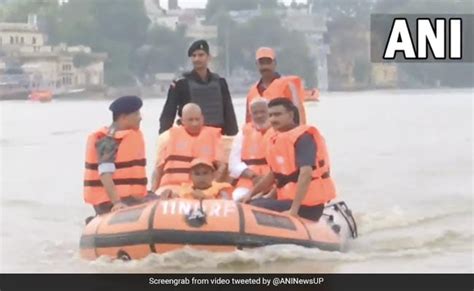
(202, 3)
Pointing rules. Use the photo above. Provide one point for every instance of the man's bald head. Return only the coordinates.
(192, 118)
(191, 108)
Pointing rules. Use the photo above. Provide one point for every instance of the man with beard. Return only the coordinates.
(206, 89)
(272, 85)
(247, 164)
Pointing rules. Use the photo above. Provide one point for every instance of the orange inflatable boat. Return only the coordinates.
(41, 95)
(165, 225)
(312, 95)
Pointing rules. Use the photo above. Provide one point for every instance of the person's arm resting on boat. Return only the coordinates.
(107, 149)
(156, 178)
(237, 167)
(261, 186)
(305, 150)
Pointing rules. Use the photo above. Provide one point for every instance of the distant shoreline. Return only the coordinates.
(94, 95)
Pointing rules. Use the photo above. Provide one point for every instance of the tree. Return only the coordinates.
(265, 30)
(162, 51)
(17, 11)
(116, 27)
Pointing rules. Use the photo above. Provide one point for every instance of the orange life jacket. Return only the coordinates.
(253, 152)
(213, 192)
(290, 87)
(130, 174)
(281, 159)
(182, 148)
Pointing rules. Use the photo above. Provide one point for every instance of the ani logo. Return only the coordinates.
(427, 36)
(421, 38)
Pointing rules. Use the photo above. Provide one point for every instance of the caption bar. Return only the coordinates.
(259, 281)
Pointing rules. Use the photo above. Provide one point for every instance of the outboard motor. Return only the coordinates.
(342, 209)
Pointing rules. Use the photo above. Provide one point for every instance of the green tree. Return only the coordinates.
(161, 52)
(17, 11)
(264, 30)
(116, 27)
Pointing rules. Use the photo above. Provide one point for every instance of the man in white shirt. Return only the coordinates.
(247, 157)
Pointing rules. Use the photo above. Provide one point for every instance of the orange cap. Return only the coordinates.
(265, 52)
(199, 161)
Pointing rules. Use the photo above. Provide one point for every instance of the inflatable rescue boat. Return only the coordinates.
(215, 225)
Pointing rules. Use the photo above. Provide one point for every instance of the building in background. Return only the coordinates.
(190, 18)
(56, 68)
(384, 75)
(313, 25)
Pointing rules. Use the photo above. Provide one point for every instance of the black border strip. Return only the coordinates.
(221, 238)
(151, 219)
(255, 162)
(130, 181)
(305, 228)
(118, 165)
(241, 222)
(156, 281)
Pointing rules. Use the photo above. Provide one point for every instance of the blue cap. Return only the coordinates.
(126, 105)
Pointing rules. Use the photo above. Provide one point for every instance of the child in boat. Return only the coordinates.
(203, 185)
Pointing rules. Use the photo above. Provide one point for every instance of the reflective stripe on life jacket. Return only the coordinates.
(253, 152)
(130, 174)
(281, 159)
(182, 148)
(213, 192)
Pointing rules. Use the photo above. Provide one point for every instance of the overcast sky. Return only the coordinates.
(202, 3)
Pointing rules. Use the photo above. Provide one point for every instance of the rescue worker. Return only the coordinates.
(299, 164)
(247, 162)
(204, 88)
(273, 85)
(186, 142)
(202, 184)
(115, 175)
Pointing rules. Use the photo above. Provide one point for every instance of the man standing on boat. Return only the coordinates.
(201, 86)
(299, 166)
(115, 175)
(272, 85)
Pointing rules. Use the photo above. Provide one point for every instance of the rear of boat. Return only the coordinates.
(340, 219)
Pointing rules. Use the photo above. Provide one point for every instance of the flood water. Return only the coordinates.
(402, 160)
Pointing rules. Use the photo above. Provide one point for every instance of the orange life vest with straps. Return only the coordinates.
(182, 148)
(213, 192)
(290, 87)
(281, 159)
(130, 174)
(253, 152)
